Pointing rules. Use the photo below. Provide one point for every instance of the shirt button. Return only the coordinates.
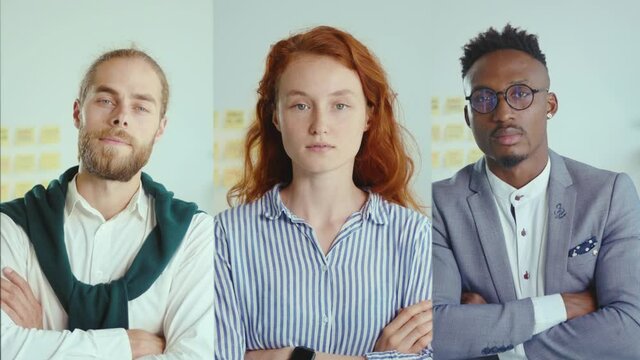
(518, 197)
(324, 268)
(523, 232)
(325, 319)
(595, 252)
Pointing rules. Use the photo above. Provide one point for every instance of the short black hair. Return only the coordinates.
(491, 40)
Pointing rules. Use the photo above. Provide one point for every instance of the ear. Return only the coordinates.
(76, 114)
(466, 116)
(552, 104)
(160, 131)
(274, 120)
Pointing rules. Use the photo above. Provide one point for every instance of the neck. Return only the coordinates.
(109, 197)
(322, 199)
(521, 174)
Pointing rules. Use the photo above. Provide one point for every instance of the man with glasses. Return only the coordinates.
(535, 254)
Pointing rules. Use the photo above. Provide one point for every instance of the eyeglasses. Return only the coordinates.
(517, 96)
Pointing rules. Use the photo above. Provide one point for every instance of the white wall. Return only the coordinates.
(47, 45)
(592, 55)
(394, 31)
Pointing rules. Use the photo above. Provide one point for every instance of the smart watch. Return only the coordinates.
(302, 353)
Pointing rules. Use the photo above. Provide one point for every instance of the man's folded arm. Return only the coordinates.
(612, 332)
(470, 330)
(188, 323)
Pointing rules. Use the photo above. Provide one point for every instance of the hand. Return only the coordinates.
(410, 331)
(18, 301)
(578, 304)
(145, 343)
(271, 354)
(472, 298)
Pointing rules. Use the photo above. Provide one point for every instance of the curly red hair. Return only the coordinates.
(382, 163)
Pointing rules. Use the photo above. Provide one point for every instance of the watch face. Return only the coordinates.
(302, 353)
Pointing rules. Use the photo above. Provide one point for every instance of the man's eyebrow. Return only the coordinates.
(109, 90)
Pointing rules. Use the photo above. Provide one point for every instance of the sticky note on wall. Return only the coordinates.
(4, 136)
(234, 119)
(25, 136)
(50, 161)
(24, 163)
(50, 135)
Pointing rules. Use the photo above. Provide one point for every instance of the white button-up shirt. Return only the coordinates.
(178, 306)
(523, 218)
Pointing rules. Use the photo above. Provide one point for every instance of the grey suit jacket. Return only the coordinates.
(469, 254)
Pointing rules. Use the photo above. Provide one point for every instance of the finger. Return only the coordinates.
(20, 282)
(414, 329)
(10, 293)
(12, 313)
(422, 343)
(406, 314)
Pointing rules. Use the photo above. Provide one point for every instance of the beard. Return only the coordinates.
(510, 161)
(105, 161)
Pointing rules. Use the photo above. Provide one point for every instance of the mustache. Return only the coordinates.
(113, 133)
(507, 130)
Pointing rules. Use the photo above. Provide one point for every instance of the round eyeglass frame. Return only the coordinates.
(504, 96)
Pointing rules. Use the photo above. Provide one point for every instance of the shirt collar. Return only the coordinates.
(136, 205)
(532, 190)
(372, 210)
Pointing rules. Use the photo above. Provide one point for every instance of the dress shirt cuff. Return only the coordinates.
(548, 311)
(112, 343)
(425, 354)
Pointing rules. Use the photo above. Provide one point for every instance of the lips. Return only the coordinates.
(320, 147)
(507, 136)
(113, 140)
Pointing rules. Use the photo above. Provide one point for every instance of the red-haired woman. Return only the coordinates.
(323, 256)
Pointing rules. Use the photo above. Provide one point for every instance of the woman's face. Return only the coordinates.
(321, 114)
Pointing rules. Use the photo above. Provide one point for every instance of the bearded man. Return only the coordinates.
(104, 263)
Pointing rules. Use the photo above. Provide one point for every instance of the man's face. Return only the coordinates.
(510, 137)
(119, 120)
(321, 114)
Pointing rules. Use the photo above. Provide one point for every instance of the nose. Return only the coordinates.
(503, 112)
(120, 117)
(318, 122)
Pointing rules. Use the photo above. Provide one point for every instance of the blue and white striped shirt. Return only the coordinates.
(275, 288)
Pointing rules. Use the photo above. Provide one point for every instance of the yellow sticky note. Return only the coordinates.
(454, 105)
(231, 176)
(435, 106)
(4, 136)
(50, 161)
(5, 164)
(21, 188)
(25, 136)
(24, 163)
(454, 132)
(454, 158)
(435, 132)
(216, 150)
(233, 149)
(435, 159)
(474, 155)
(50, 135)
(4, 192)
(216, 121)
(234, 119)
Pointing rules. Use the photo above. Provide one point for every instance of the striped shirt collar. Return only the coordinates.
(372, 210)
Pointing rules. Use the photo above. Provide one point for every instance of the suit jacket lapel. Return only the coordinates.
(485, 215)
(562, 201)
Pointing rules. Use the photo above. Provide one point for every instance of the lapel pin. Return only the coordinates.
(559, 212)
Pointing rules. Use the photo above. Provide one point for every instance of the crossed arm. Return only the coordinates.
(605, 330)
(187, 319)
(410, 332)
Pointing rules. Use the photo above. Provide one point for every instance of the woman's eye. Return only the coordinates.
(341, 106)
(302, 106)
